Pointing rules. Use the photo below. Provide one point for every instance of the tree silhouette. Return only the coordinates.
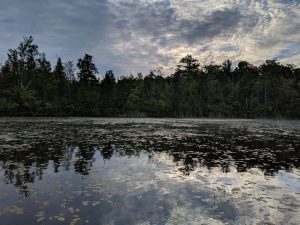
(28, 86)
(87, 69)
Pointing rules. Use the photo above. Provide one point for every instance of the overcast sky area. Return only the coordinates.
(140, 35)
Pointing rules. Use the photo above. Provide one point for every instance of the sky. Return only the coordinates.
(130, 36)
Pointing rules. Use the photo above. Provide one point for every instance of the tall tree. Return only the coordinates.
(70, 70)
(107, 93)
(60, 77)
(59, 72)
(87, 69)
(22, 61)
(189, 64)
(44, 75)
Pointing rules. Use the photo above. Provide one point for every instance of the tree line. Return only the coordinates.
(29, 86)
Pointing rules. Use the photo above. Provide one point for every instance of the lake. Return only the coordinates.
(149, 171)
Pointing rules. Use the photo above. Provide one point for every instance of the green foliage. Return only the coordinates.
(28, 86)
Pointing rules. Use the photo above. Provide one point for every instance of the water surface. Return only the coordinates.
(149, 171)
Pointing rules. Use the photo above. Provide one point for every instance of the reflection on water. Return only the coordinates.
(149, 171)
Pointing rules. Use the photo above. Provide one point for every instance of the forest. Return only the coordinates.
(30, 86)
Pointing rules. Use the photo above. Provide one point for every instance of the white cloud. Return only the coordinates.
(139, 35)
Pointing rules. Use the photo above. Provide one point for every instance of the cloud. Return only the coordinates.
(161, 22)
(139, 35)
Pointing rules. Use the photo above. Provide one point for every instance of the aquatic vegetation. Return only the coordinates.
(144, 171)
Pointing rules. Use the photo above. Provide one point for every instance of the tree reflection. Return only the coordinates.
(65, 149)
(107, 152)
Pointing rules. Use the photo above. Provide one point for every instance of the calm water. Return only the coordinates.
(149, 171)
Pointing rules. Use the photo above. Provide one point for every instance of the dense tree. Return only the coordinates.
(28, 86)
